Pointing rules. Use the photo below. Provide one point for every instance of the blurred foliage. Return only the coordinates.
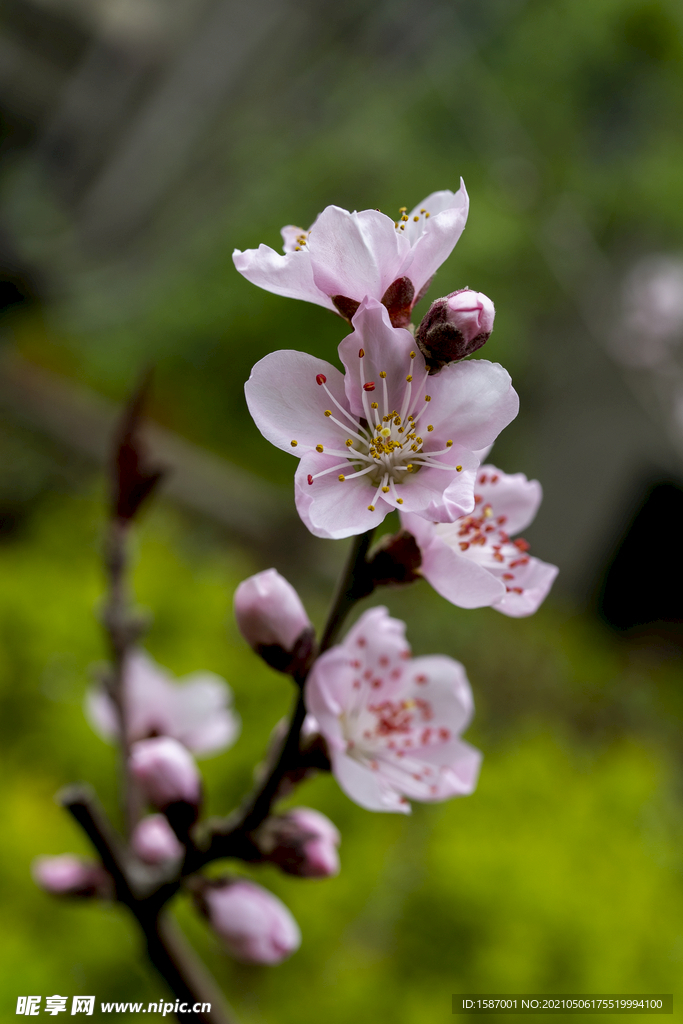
(561, 873)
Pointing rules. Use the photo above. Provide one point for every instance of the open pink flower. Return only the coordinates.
(196, 711)
(346, 256)
(392, 723)
(384, 436)
(473, 562)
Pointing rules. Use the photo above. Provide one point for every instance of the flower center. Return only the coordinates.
(386, 445)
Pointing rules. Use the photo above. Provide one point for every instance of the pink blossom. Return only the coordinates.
(301, 842)
(196, 711)
(256, 927)
(166, 771)
(269, 611)
(154, 841)
(68, 875)
(473, 562)
(392, 723)
(385, 435)
(348, 256)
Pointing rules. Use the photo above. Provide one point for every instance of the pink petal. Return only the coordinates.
(472, 402)
(355, 254)
(288, 404)
(510, 495)
(366, 787)
(386, 349)
(335, 508)
(204, 722)
(439, 236)
(441, 495)
(535, 579)
(290, 275)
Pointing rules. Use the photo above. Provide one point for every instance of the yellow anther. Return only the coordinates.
(412, 355)
(371, 508)
(361, 353)
(416, 218)
(385, 431)
(487, 512)
(419, 440)
(297, 248)
(385, 490)
(395, 223)
(426, 214)
(318, 447)
(409, 377)
(400, 501)
(400, 430)
(328, 412)
(430, 427)
(342, 477)
(294, 443)
(409, 467)
(385, 419)
(397, 421)
(449, 444)
(403, 209)
(458, 469)
(423, 210)
(403, 227)
(428, 398)
(373, 405)
(349, 443)
(382, 373)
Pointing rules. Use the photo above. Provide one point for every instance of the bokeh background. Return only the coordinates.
(143, 140)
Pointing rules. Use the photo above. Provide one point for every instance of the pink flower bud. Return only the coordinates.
(256, 927)
(269, 611)
(68, 875)
(166, 771)
(154, 841)
(454, 327)
(306, 844)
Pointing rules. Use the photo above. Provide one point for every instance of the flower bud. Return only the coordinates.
(68, 875)
(454, 327)
(301, 842)
(271, 618)
(154, 841)
(166, 772)
(255, 926)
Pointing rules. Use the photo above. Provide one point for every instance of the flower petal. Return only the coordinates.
(204, 722)
(287, 404)
(438, 236)
(366, 787)
(355, 254)
(535, 579)
(510, 495)
(472, 402)
(290, 275)
(334, 509)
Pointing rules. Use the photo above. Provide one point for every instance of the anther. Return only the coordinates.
(403, 209)
(370, 386)
(399, 501)
(449, 444)
(371, 508)
(385, 490)
(423, 210)
(328, 412)
(412, 355)
(409, 377)
(426, 214)
(321, 378)
(294, 443)
(430, 427)
(382, 373)
(458, 469)
(409, 467)
(361, 353)
(318, 447)
(342, 477)
(349, 443)
(416, 218)
(310, 478)
(428, 398)
(373, 405)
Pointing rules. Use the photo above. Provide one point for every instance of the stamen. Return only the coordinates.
(294, 443)
(319, 448)
(321, 378)
(370, 386)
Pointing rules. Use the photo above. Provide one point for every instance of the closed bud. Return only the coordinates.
(255, 926)
(154, 841)
(271, 618)
(454, 327)
(68, 875)
(166, 772)
(301, 842)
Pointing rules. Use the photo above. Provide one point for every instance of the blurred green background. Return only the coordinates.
(142, 142)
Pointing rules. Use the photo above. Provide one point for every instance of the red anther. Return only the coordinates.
(444, 734)
(517, 590)
(361, 641)
(384, 660)
(495, 478)
(502, 520)
(422, 679)
(498, 557)
(508, 575)
(370, 386)
(478, 499)
(321, 378)
(464, 545)
(522, 544)
(483, 478)
(309, 478)
(361, 353)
